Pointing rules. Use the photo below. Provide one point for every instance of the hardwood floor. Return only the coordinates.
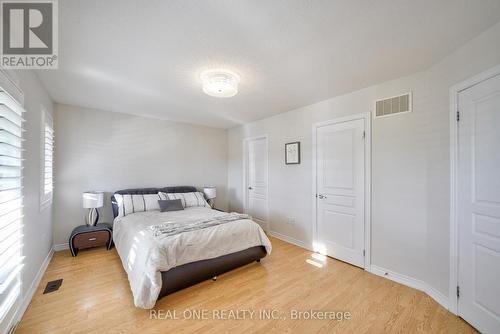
(95, 297)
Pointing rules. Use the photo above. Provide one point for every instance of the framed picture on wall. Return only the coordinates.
(292, 153)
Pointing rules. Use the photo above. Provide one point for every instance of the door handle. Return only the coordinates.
(250, 188)
(321, 196)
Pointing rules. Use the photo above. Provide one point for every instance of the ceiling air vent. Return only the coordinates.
(393, 105)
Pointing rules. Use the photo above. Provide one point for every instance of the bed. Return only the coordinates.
(160, 264)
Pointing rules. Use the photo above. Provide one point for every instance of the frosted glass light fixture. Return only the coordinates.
(220, 82)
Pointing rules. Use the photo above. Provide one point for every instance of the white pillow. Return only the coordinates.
(128, 204)
(187, 199)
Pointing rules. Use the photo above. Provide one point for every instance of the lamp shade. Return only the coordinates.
(210, 192)
(93, 199)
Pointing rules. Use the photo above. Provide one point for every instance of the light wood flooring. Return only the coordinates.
(95, 297)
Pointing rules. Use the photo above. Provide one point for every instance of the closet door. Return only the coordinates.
(478, 203)
(256, 180)
(340, 188)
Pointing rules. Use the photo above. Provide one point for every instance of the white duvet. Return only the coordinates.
(144, 256)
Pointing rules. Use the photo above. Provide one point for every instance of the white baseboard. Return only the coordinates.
(290, 240)
(31, 291)
(60, 247)
(443, 300)
(412, 283)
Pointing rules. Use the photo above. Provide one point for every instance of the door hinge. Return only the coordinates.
(364, 134)
(458, 116)
(458, 291)
(364, 252)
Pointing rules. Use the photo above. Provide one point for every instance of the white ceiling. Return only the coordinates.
(144, 57)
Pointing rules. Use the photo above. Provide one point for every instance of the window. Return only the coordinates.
(11, 201)
(47, 160)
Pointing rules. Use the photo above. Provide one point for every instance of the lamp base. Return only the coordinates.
(211, 202)
(92, 217)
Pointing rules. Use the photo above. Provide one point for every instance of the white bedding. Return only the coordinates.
(144, 256)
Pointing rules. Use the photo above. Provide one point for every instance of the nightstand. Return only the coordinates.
(85, 236)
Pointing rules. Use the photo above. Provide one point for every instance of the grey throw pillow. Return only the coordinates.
(170, 205)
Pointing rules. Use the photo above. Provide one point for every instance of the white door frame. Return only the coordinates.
(245, 176)
(368, 171)
(454, 91)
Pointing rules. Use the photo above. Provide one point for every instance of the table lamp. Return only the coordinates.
(210, 193)
(92, 200)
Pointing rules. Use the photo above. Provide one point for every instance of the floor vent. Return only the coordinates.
(53, 286)
(393, 105)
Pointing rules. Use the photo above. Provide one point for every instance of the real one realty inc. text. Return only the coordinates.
(248, 314)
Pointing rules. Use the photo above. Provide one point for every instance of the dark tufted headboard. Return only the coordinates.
(144, 191)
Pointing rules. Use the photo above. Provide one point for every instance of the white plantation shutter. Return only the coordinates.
(47, 185)
(49, 158)
(11, 200)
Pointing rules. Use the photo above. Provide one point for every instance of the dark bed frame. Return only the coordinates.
(191, 273)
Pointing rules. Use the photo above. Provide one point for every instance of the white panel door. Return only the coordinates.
(340, 177)
(257, 180)
(478, 199)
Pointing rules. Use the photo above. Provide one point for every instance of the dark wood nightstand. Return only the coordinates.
(85, 236)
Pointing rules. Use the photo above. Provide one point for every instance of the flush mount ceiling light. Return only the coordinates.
(220, 82)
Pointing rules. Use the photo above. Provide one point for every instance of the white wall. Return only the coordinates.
(37, 228)
(410, 164)
(100, 150)
(37, 224)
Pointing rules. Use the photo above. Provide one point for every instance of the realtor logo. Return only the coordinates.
(29, 34)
